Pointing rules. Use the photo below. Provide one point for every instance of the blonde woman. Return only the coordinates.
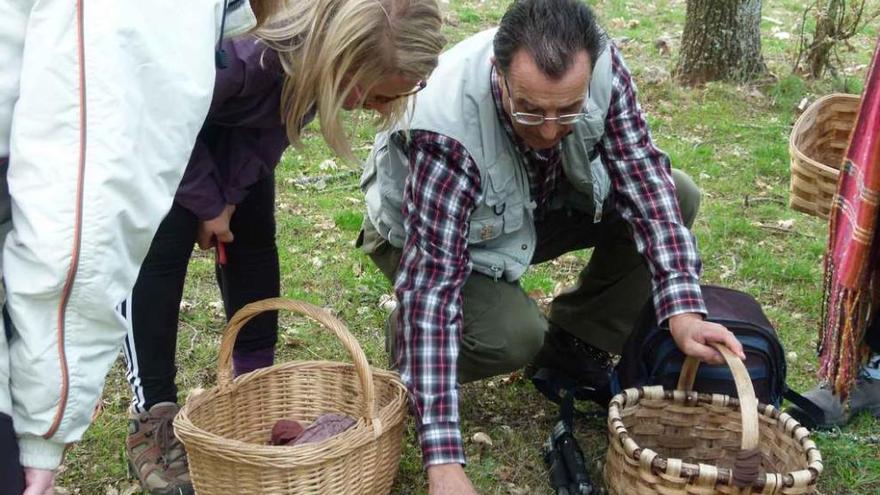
(100, 104)
(368, 53)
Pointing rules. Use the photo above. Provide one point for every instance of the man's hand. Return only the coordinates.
(216, 228)
(38, 481)
(693, 335)
(449, 479)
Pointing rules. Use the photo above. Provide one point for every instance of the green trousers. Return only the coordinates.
(504, 328)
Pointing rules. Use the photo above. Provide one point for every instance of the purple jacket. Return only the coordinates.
(243, 136)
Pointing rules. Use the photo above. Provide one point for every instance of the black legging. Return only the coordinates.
(250, 274)
(11, 474)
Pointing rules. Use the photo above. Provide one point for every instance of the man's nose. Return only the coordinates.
(551, 130)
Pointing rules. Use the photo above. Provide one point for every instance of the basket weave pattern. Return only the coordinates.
(226, 429)
(817, 144)
(681, 442)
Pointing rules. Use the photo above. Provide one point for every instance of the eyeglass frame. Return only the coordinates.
(560, 119)
(384, 100)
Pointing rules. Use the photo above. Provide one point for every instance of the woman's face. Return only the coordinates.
(381, 95)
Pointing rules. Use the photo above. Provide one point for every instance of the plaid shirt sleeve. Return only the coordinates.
(441, 191)
(645, 196)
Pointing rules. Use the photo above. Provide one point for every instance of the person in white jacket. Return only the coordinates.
(100, 103)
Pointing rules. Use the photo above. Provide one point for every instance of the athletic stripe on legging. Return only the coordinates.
(131, 370)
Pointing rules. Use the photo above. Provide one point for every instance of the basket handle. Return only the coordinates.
(748, 403)
(322, 316)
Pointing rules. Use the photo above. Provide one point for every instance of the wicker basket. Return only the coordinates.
(226, 429)
(681, 442)
(817, 144)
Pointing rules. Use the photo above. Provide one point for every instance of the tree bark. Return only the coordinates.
(721, 41)
(826, 32)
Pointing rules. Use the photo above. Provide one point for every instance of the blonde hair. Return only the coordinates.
(327, 47)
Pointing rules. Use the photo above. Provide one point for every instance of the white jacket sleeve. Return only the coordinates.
(98, 127)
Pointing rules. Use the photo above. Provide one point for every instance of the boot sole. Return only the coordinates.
(169, 491)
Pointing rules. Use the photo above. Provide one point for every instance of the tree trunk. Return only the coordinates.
(721, 41)
(826, 32)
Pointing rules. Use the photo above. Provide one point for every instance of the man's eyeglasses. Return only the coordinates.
(534, 119)
(384, 100)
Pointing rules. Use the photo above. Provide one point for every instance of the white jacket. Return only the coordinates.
(100, 103)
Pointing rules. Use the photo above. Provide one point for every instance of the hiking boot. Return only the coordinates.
(864, 396)
(572, 364)
(155, 455)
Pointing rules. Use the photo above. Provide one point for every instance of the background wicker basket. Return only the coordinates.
(226, 429)
(817, 144)
(681, 442)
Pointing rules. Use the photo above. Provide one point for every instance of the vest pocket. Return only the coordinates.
(513, 217)
(486, 228)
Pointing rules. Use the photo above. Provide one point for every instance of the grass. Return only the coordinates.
(731, 139)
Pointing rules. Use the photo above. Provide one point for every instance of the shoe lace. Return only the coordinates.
(165, 438)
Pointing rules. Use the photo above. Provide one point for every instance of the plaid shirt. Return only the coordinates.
(442, 190)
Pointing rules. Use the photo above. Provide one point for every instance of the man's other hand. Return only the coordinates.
(693, 335)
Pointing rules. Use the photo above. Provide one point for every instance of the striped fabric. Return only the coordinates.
(851, 274)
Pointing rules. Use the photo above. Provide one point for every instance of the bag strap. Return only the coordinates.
(814, 413)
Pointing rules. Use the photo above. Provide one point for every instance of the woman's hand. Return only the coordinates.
(216, 229)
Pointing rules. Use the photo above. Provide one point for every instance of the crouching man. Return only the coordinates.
(527, 143)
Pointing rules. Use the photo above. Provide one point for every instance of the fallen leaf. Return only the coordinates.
(854, 69)
(130, 489)
(654, 75)
(559, 288)
(514, 377)
(216, 307)
(505, 473)
(387, 303)
(328, 164)
(663, 45)
(785, 224)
